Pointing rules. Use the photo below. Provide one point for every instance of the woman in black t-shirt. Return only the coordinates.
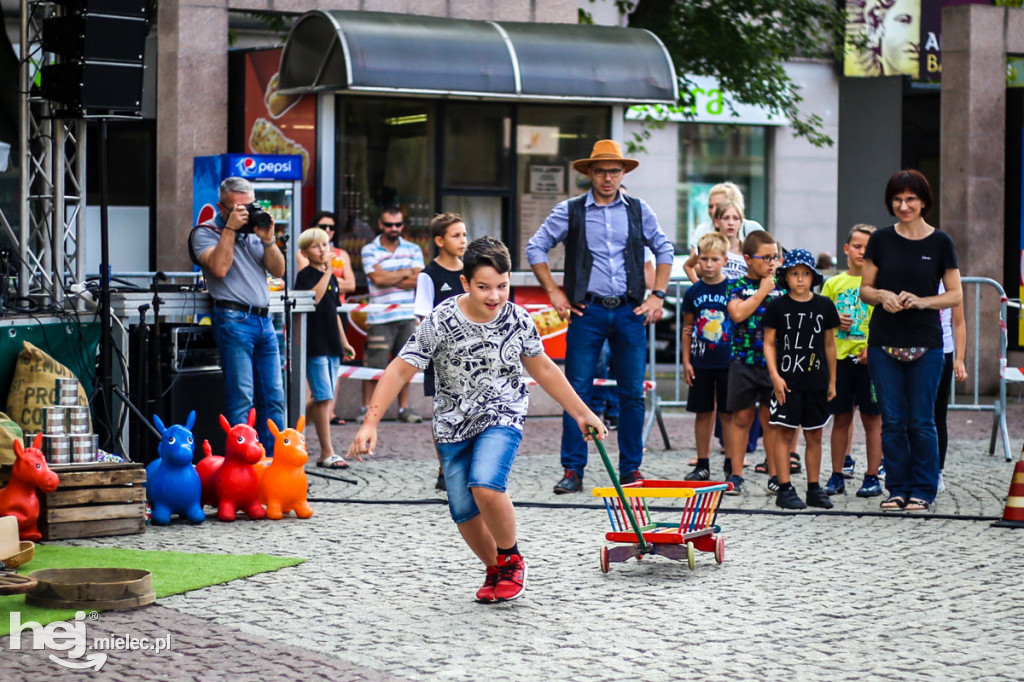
(903, 266)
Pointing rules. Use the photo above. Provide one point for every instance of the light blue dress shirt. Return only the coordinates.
(607, 228)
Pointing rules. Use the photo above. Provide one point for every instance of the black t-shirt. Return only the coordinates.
(800, 340)
(914, 265)
(322, 336)
(446, 282)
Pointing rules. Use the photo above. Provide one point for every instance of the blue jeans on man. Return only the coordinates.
(910, 445)
(627, 338)
(251, 363)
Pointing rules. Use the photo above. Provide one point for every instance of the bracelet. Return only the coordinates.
(267, 245)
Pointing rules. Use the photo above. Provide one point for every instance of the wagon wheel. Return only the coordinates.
(604, 559)
(720, 549)
(690, 556)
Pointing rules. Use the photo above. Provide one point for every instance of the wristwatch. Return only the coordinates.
(659, 293)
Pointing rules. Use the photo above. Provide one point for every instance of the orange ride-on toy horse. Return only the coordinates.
(19, 498)
(230, 482)
(283, 484)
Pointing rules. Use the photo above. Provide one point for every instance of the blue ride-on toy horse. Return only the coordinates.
(172, 482)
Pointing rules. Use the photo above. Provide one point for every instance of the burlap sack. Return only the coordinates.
(9, 432)
(35, 386)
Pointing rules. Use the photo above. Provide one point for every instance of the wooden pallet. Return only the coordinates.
(93, 500)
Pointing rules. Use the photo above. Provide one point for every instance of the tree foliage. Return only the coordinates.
(745, 45)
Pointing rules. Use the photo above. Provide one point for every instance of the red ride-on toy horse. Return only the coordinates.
(19, 498)
(230, 482)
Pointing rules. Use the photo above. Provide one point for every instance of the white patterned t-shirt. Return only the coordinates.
(478, 366)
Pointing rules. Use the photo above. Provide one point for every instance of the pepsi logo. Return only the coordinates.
(247, 166)
(206, 213)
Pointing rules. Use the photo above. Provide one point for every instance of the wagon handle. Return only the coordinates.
(618, 489)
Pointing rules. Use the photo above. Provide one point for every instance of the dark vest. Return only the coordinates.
(579, 261)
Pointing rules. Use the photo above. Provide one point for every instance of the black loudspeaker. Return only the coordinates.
(204, 393)
(100, 45)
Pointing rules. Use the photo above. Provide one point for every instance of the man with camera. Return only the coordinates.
(236, 250)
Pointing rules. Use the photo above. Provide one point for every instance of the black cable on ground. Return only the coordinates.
(746, 512)
(332, 477)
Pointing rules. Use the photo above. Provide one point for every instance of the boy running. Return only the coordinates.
(480, 344)
(800, 351)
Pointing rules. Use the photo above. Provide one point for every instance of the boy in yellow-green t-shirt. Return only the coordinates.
(853, 383)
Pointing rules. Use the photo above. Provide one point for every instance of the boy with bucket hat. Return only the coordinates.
(800, 351)
(604, 298)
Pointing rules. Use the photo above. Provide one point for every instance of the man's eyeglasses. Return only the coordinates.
(606, 172)
(326, 226)
(767, 259)
(386, 224)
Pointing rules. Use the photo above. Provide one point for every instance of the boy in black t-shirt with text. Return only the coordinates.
(326, 342)
(439, 281)
(800, 351)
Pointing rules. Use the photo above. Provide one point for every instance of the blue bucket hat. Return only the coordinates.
(799, 257)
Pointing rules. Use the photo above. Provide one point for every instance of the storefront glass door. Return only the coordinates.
(385, 158)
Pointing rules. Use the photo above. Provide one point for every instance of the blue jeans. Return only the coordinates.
(482, 461)
(251, 364)
(627, 338)
(321, 375)
(906, 396)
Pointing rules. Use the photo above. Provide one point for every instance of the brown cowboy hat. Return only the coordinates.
(605, 150)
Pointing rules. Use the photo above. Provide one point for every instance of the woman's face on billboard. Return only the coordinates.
(901, 38)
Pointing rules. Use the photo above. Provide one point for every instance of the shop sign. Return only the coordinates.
(547, 179)
(709, 104)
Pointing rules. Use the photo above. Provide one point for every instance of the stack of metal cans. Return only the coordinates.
(67, 438)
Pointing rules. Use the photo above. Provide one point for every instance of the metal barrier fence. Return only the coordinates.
(972, 286)
(998, 407)
(673, 302)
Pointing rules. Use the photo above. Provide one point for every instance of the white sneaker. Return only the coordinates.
(942, 485)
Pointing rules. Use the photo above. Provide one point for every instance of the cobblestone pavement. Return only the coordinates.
(387, 590)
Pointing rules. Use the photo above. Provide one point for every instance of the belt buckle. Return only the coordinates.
(611, 301)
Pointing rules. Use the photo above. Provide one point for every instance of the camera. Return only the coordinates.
(257, 218)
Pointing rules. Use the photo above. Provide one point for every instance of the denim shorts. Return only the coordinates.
(321, 374)
(482, 461)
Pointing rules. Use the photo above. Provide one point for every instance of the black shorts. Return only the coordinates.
(805, 409)
(853, 389)
(748, 385)
(708, 390)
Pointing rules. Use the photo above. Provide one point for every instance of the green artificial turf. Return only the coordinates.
(173, 573)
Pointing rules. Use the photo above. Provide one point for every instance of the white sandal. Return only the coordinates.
(335, 461)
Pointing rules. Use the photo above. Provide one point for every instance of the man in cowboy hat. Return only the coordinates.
(604, 298)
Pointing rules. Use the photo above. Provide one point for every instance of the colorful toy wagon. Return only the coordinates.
(636, 532)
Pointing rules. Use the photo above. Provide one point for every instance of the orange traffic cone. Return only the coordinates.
(1013, 513)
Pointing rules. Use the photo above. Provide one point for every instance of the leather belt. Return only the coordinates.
(241, 307)
(609, 302)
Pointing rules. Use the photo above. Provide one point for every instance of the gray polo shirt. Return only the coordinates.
(246, 280)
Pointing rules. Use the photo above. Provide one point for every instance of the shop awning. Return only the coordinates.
(378, 52)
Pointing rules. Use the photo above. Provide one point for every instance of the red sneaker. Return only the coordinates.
(485, 594)
(511, 577)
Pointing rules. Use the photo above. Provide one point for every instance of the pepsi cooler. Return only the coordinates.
(277, 181)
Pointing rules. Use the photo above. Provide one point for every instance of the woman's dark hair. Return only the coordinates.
(485, 251)
(909, 181)
(321, 215)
